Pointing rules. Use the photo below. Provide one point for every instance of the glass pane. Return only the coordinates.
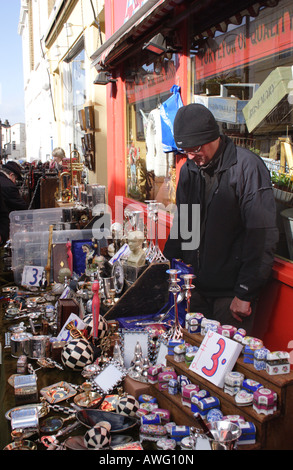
(150, 171)
(74, 98)
(243, 74)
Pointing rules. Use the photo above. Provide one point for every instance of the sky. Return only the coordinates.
(11, 75)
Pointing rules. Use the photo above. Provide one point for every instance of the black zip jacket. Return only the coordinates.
(238, 233)
(11, 195)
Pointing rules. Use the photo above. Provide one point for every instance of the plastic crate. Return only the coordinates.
(31, 248)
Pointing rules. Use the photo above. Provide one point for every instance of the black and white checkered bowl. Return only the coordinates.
(77, 354)
(127, 406)
(97, 437)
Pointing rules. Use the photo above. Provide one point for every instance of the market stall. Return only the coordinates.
(104, 353)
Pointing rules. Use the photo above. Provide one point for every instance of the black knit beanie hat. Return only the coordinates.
(194, 125)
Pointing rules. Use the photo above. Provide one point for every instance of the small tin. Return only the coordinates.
(141, 412)
(265, 401)
(234, 379)
(207, 325)
(163, 414)
(251, 385)
(151, 418)
(149, 407)
(187, 443)
(260, 358)
(189, 356)
(214, 415)
(179, 432)
(244, 398)
(227, 330)
(248, 433)
(145, 398)
(187, 392)
(194, 318)
(253, 343)
(193, 326)
(152, 432)
(196, 398)
(166, 444)
(26, 419)
(21, 365)
(278, 363)
(234, 418)
(233, 383)
(172, 344)
(25, 389)
(182, 380)
(153, 373)
(179, 352)
(206, 404)
(173, 387)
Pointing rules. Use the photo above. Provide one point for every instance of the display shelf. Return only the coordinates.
(181, 414)
(274, 432)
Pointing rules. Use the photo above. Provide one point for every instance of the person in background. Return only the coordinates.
(4, 222)
(10, 173)
(234, 253)
(58, 155)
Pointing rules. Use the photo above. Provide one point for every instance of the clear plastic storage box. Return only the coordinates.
(37, 220)
(31, 248)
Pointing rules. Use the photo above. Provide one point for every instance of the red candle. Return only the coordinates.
(96, 308)
(69, 256)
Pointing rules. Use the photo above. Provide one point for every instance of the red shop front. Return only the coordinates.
(218, 53)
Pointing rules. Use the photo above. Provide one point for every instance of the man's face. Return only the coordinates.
(203, 154)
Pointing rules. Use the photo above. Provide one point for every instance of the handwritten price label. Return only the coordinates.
(31, 276)
(215, 357)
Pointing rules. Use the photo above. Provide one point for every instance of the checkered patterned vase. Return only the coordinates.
(127, 406)
(102, 328)
(97, 437)
(77, 354)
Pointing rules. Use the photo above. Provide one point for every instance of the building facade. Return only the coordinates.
(14, 142)
(63, 107)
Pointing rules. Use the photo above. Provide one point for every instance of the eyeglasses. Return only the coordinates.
(193, 151)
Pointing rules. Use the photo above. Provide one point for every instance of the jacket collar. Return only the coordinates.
(228, 157)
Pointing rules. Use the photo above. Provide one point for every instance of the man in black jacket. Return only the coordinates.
(4, 222)
(233, 257)
(9, 175)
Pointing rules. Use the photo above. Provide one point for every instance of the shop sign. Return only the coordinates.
(118, 12)
(268, 95)
(224, 109)
(263, 36)
(215, 358)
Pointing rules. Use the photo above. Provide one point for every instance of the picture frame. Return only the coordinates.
(109, 377)
(82, 120)
(161, 352)
(130, 338)
(89, 118)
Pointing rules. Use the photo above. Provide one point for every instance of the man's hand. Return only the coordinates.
(240, 309)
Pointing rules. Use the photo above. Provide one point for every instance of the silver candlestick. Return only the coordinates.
(188, 286)
(175, 332)
(154, 254)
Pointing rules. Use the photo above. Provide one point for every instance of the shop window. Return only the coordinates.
(74, 95)
(242, 71)
(150, 171)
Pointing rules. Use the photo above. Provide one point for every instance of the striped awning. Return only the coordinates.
(134, 28)
(252, 10)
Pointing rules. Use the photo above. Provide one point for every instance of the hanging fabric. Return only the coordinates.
(168, 111)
